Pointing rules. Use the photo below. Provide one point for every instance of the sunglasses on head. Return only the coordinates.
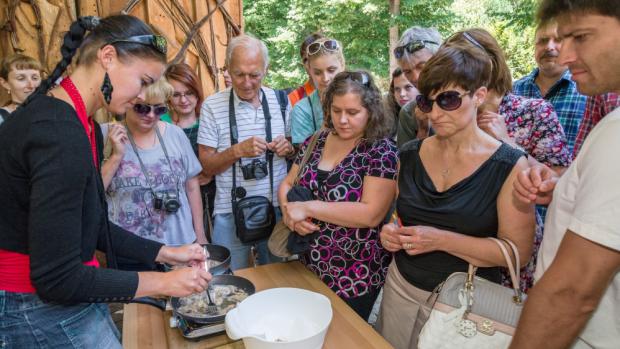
(158, 42)
(448, 101)
(359, 77)
(145, 109)
(412, 47)
(327, 45)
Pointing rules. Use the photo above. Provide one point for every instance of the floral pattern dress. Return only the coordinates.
(351, 261)
(535, 127)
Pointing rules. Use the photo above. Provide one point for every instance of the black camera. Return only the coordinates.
(168, 201)
(257, 169)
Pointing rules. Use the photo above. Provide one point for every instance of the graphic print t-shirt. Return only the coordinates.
(130, 201)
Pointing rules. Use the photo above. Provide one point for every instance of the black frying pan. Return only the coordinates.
(227, 280)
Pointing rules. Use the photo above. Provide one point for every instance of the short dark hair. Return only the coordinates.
(459, 64)
(379, 126)
(549, 9)
(501, 78)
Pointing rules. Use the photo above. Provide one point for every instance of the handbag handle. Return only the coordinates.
(307, 154)
(513, 267)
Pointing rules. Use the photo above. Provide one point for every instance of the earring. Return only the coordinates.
(107, 88)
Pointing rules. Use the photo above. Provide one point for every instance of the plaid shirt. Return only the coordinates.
(567, 102)
(596, 109)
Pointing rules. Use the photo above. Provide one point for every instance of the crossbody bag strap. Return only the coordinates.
(234, 136)
(268, 154)
(307, 155)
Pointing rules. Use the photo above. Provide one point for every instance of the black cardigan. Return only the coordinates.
(52, 207)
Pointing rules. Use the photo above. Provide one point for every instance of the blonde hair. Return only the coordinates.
(160, 90)
(18, 62)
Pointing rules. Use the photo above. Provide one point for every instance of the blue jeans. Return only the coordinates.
(225, 234)
(27, 322)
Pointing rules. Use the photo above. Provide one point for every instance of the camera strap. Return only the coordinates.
(234, 138)
(163, 145)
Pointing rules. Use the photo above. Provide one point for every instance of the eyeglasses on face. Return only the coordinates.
(186, 94)
(327, 45)
(412, 47)
(448, 101)
(145, 109)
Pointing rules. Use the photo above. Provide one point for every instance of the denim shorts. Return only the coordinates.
(28, 322)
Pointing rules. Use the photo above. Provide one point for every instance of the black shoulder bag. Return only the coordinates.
(254, 216)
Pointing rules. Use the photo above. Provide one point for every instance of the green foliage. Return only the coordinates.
(362, 26)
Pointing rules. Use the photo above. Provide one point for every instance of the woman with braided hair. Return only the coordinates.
(54, 214)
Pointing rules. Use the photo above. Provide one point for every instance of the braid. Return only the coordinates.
(71, 42)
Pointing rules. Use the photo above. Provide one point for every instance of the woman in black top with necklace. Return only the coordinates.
(455, 190)
(53, 214)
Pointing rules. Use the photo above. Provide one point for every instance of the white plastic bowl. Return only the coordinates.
(281, 318)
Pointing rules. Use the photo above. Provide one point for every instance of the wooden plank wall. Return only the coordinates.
(36, 27)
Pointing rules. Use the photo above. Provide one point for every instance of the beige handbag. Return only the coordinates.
(471, 312)
(280, 234)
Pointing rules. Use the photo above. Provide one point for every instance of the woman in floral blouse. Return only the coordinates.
(525, 123)
(352, 174)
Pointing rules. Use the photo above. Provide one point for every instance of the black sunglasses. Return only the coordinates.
(145, 109)
(327, 45)
(448, 101)
(158, 42)
(412, 47)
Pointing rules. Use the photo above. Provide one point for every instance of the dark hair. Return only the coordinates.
(307, 41)
(501, 78)
(184, 74)
(102, 31)
(549, 9)
(459, 64)
(360, 83)
(391, 104)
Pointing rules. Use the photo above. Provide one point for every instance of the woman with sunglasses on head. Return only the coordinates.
(351, 173)
(185, 106)
(401, 92)
(454, 191)
(528, 124)
(324, 60)
(54, 214)
(151, 177)
(20, 75)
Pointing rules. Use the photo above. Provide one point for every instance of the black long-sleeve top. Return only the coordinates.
(52, 207)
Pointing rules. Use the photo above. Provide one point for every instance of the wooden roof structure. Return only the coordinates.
(198, 31)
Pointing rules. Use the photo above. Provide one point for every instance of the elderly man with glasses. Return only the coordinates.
(416, 46)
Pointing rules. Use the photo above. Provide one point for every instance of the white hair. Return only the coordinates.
(421, 34)
(249, 43)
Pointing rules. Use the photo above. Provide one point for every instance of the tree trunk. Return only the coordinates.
(394, 35)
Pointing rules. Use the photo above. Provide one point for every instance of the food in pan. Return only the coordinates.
(225, 297)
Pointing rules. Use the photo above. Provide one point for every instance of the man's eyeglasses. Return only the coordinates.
(448, 101)
(327, 45)
(412, 47)
(145, 109)
(187, 94)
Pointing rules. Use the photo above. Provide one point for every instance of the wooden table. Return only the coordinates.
(146, 327)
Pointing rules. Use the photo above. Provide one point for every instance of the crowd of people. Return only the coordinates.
(400, 189)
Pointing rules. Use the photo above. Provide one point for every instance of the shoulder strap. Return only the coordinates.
(308, 152)
(283, 102)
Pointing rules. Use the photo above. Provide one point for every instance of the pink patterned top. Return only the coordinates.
(350, 261)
